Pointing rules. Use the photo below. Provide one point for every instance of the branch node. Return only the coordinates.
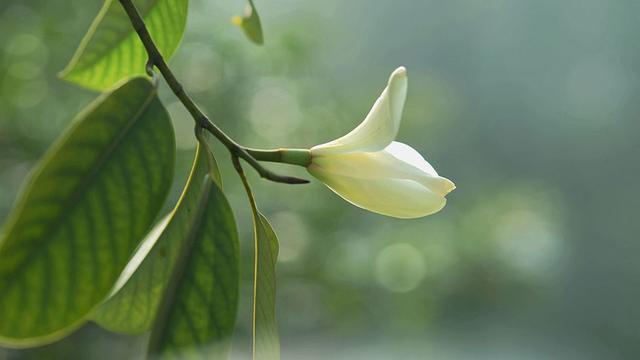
(149, 67)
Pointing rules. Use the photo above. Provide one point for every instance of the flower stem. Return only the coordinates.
(301, 157)
(156, 59)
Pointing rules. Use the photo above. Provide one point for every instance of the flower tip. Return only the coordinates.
(398, 79)
(449, 186)
(401, 71)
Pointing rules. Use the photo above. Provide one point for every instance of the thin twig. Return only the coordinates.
(155, 58)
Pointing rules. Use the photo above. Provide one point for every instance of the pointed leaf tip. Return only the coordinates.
(250, 23)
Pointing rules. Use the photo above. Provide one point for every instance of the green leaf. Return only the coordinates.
(132, 307)
(250, 23)
(111, 50)
(198, 311)
(266, 342)
(82, 213)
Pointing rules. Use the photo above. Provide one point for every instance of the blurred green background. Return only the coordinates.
(531, 107)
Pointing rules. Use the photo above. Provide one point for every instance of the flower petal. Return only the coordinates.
(412, 165)
(380, 127)
(398, 198)
(397, 161)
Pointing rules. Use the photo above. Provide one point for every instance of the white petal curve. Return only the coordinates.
(398, 198)
(410, 156)
(413, 164)
(380, 126)
(397, 161)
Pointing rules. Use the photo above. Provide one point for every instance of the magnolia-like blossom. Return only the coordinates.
(369, 169)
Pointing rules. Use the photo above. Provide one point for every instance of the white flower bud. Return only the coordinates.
(369, 169)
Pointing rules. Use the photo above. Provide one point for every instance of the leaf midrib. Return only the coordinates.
(179, 268)
(77, 193)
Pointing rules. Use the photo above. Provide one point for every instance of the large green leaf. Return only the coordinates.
(249, 22)
(197, 314)
(82, 213)
(133, 305)
(111, 49)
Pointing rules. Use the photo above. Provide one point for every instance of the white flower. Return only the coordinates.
(369, 169)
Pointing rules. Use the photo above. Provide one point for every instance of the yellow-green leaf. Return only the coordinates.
(250, 23)
(266, 341)
(111, 50)
(81, 215)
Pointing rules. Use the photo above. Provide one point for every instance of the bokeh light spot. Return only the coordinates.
(400, 267)
(23, 44)
(293, 235)
(202, 70)
(350, 259)
(528, 243)
(28, 94)
(25, 70)
(274, 113)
